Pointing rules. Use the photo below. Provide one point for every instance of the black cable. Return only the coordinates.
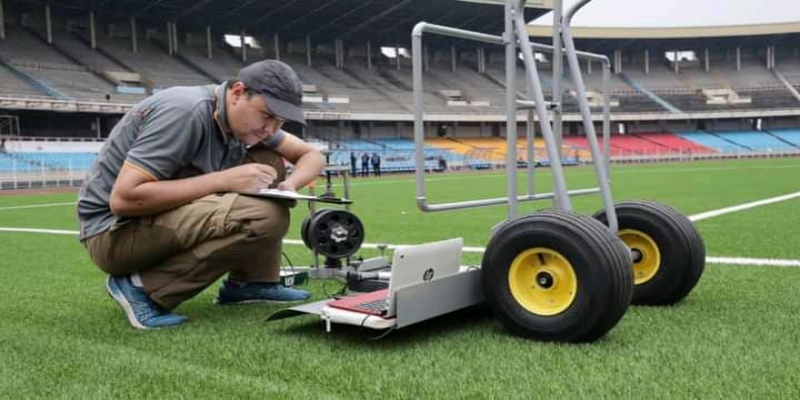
(288, 261)
(382, 335)
(379, 337)
(335, 295)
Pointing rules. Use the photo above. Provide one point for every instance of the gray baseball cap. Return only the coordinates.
(280, 86)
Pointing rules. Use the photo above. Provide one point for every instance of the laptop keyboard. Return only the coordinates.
(374, 305)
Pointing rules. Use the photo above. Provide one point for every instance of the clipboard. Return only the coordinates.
(289, 195)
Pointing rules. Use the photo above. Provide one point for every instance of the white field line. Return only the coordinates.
(37, 206)
(741, 207)
(756, 262)
(33, 230)
(458, 177)
(467, 249)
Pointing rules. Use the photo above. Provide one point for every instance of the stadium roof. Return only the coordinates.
(387, 21)
(673, 32)
(545, 4)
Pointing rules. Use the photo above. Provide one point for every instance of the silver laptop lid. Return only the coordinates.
(416, 264)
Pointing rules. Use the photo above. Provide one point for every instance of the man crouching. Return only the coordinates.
(159, 211)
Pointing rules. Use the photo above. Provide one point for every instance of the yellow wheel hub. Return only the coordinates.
(542, 281)
(646, 256)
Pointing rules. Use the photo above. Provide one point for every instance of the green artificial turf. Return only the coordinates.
(734, 336)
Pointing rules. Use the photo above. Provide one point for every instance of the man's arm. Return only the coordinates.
(308, 162)
(136, 193)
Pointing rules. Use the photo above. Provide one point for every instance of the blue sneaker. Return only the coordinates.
(142, 312)
(233, 292)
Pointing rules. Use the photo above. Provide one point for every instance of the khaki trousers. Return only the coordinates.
(184, 250)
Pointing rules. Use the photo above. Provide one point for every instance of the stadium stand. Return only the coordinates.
(659, 78)
(383, 88)
(43, 63)
(12, 85)
(581, 142)
(637, 145)
(359, 145)
(81, 50)
(8, 164)
(451, 145)
(362, 109)
(790, 135)
(643, 144)
(38, 156)
(58, 161)
(153, 63)
(674, 143)
(494, 150)
(407, 145)
(756, 140)
(712, 141)
(397, 154)
(223, 65)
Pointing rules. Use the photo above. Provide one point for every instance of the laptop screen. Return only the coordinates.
(416, 264)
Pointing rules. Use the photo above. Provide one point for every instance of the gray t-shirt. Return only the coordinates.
(170, 135)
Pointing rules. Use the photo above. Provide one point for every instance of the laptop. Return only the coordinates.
(411, 265)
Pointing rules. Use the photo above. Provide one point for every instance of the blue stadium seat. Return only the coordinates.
(756, 141)
(715, 142)
(397, 154)
(35, 161)
(790, 135)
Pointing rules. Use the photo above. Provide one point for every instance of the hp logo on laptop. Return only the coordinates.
(428, 275)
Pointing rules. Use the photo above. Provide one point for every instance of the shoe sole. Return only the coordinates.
(117, 296)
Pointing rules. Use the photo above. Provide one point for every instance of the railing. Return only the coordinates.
(13, 138)
(38, 174)
(687, 156)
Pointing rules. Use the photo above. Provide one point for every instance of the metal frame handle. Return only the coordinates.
(515, 23)
(601, 167)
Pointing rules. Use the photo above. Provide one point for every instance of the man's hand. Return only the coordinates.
(308, 161)
(286, 185)
(249, 177)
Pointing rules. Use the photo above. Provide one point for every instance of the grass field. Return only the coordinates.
(737, 335)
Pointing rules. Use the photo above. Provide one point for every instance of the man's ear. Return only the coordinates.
(237, 89)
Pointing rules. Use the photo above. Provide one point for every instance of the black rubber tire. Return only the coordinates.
(306, 226)
(683, 253)
(315, 235)
(304, 230)
(601, 264)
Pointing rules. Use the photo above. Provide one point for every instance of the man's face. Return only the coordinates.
(249, 117)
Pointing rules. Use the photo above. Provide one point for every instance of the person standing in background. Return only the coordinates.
(364, 164)
(376, 164)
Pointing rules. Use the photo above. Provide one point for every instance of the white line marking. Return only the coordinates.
(759, 262)
(467, 249)
(33, 230)
(728, 210)
(37, 206)
(690, 169)
(482, 175)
